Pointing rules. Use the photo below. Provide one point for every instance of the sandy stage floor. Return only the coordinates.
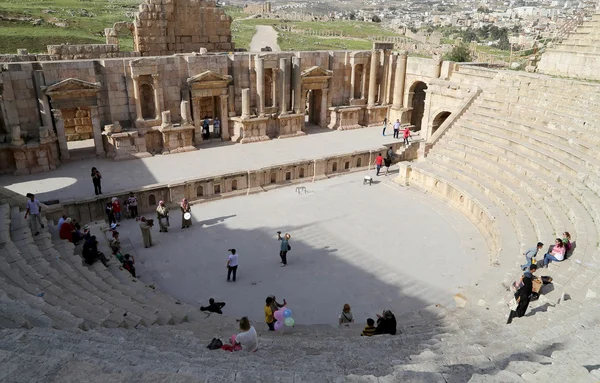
(374, 247)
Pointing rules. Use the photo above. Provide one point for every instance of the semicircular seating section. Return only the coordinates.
(521, 163)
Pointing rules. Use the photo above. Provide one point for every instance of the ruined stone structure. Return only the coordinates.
(258, 8)
(138, 107)
(164, 27)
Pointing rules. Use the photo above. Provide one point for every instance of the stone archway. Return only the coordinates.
(315, 90)
(76, 121)
(438, 120)
(210, 98)
(417, 103)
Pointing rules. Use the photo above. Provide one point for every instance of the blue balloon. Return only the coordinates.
(287, 313)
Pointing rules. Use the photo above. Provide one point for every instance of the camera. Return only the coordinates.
(150, 222)
(279, 232)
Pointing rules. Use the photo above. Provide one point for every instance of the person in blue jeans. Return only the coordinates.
(384, 126)
(285, 247)
(530, 254)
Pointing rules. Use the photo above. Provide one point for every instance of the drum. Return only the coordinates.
(187, 216)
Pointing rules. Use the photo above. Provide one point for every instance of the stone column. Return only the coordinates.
(373, 78)
(157, 91)
(97, 131)
(60, 133)
(185, 112)
(274, 75)
(231, 100)
(298, 99)
(323, 117)
(138, 100)
(246, 103)
(398, 102)
(363, 85)
(260, 85)
(224, 117)
(283, 107)
(353, 82)
(386, 77)
(437, 68)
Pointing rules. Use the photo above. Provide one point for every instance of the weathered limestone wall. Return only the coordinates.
(578, 56)
(258, 8)
(164, 27)
(231, 184)
(87, 52)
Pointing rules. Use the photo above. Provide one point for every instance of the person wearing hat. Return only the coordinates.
(186, 211)
(162, 214)
(146, 235)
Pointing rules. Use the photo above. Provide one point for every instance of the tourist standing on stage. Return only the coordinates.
(132, 203)
(162, 214)
(96, 177)
(145, 226)
(232, 264)
(285, 247)
(186, 208)
(116, 207)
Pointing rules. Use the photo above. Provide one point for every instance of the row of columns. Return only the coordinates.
(363, 84)
(282, 74)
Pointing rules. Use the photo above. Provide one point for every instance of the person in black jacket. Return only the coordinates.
(523, 295)
(90, 252)
(213, 307)
(386, 323)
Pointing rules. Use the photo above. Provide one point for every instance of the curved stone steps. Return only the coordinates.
(488, 284)
(519, 219)
(61, 319)
(585, 228)
(25, 277)
(582, 253)
(91, 299)
(557, 216)
(162, 309)
(494, 142)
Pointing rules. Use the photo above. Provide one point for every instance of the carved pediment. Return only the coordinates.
(71, 85)
(316, 71)
(209, 76)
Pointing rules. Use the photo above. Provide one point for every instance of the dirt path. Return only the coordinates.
(265, 36)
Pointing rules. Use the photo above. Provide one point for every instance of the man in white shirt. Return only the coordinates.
(397, 129)
(34, 208)
(232, 264)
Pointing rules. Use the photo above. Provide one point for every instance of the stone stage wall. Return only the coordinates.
(232, 184)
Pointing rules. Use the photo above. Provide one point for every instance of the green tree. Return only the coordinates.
(376, 19)
(459, 53)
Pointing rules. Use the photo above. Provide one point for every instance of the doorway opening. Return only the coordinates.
(418, 104)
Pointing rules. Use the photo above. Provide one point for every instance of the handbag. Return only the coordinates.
(513, 304)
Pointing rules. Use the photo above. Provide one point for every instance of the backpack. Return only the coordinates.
(215, 344)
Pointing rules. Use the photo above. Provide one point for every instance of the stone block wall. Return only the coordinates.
(86, 52)
(181, 26)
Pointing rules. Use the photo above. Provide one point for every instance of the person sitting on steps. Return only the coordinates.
(90, 252)
(386, 323)
(557, 254)
(369, 328)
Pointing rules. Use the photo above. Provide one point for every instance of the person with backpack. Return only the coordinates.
(346, 316)
(284, 248)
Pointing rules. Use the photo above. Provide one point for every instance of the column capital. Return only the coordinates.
(155, 75)
(57, 113)
(135, 77)
(403, 54)
(224, 96)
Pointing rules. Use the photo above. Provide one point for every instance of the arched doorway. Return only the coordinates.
(418, 104)
(439, 120)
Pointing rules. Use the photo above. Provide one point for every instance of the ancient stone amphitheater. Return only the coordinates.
(518, 155)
